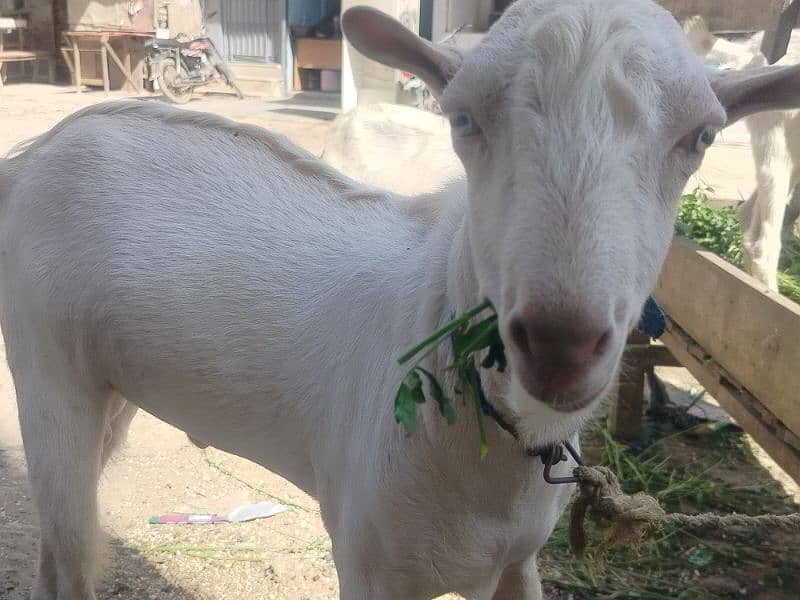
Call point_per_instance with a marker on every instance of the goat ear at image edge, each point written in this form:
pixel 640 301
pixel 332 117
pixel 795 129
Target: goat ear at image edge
pixel 747 91
pixel 378 36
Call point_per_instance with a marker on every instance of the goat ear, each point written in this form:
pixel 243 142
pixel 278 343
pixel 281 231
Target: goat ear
pixel 747 91
pixel 383 39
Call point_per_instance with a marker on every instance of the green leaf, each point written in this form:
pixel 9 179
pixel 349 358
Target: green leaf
pixel 469 375
pixel 405 403
pixel 466 341
pixel 437 336
pixel 445 407
pixel 475 338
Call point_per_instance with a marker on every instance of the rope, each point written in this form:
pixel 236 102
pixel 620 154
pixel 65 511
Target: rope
pixel 629 519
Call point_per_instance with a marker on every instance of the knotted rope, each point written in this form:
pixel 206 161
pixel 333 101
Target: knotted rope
pixel 628 519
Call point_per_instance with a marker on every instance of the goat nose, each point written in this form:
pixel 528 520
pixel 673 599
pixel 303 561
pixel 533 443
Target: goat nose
pixel 571 340
pixel 557 352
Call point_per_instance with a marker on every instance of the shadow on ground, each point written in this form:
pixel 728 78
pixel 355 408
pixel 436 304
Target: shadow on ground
pixel 130 575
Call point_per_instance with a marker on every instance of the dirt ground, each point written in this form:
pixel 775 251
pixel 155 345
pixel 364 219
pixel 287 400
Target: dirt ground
pixel 286 557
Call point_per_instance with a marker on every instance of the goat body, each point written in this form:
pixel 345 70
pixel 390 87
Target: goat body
pixel 263 317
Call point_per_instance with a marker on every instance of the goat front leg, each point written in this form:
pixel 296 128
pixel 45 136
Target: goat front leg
pixel 520 582
pixel 762 235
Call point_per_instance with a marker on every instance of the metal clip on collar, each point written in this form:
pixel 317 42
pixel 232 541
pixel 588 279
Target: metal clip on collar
pixel 556 454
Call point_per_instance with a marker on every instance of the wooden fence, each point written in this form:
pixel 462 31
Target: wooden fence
pixel 739 340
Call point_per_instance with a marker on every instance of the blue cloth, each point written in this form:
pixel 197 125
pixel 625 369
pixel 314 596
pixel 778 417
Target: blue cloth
pixel 653 321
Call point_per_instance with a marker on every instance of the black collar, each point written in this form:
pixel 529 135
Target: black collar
pixel 551 454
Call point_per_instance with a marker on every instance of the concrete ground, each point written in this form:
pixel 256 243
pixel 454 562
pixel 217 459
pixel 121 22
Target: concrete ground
pixel 286 557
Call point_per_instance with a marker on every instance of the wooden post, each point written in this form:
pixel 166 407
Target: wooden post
pixel 21 46
pixel 627 406
pixel 69 61
pixel 126 58
pixel 76 59
pixel 776 38
pixel 104 63
pixel 625 414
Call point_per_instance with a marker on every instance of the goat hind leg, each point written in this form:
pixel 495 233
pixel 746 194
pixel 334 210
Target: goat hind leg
pixel 762 237
pixel 63 428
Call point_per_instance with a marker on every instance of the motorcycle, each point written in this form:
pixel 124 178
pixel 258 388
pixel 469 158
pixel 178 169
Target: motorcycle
pixel 414 92
pixel 177 66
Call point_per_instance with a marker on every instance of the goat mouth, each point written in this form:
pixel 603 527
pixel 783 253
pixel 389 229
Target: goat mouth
pixel 568 403
pixel 568 400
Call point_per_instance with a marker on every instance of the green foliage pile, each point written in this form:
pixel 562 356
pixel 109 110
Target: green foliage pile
pixel 720 230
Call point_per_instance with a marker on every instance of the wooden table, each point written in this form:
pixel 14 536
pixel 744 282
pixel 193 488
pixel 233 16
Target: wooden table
pixel 18 53
pixel 316 53
pixel 78 42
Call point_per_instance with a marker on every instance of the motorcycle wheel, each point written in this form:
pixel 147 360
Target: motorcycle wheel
pixel 168 73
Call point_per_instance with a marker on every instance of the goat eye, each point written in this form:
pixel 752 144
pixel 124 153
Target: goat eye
pixel 463 125
pixel 705 137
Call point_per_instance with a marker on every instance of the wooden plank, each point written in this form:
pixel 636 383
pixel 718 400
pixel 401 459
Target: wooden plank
pixel 11 55
pixel 776 37
pixel 649 356
pixel 751 415
pixel 751 332
pixel 119 64
pixel 13 23
pixel 312 53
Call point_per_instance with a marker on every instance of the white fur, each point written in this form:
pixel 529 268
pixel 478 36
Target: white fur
pixel 775 138
pixel 234 286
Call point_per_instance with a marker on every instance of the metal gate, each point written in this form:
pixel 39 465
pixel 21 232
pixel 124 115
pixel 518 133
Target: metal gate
pixel 249 28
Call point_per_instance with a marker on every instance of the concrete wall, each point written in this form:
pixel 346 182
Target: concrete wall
pixel 365 81
pixel 110 14
pixel 184 16
pixel 449 15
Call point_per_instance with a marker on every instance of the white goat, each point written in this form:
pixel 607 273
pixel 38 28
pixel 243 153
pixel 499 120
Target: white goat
pixel 257 299
pixel 400 148
pixel 775 138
